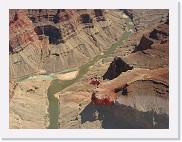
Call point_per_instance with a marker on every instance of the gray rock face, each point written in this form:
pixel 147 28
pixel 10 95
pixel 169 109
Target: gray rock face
pixel 147 18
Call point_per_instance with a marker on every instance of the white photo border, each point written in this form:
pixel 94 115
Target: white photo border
pixel 171 133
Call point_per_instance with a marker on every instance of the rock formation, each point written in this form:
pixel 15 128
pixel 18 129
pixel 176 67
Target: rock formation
pixel 116 68
pixel 141 93
pixel 129 92
pixel 153 46
pixel 144 44
pixel 100 100
pixel 28 107
pixel 161 33
pixel 55 40
pixel 147 18
pixel 25 46
pixel 12 87
pixel 22 33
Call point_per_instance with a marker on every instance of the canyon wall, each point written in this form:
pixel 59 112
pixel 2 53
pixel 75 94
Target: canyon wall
pixel 147 18
pixel 137 98
pixel 57 40
pixel 153 49
pixel 137 92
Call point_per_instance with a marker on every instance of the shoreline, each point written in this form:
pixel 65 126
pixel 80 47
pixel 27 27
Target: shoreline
pixel 67 76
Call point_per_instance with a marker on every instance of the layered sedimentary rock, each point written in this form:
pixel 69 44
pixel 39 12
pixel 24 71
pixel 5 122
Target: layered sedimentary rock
pixel 134 88
pixel 25 46
pixel 138 93
pixel 28 107
pixel 137 98
pixel 55 40
pixel 153 47
pixel 147 18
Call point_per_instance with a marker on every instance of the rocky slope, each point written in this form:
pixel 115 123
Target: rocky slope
pixel 153 47
pixel 12 87
pixel 140 95
pixel 25 47
pixel 28 107
pixel 133 88
pixel 39 45
pixel 147 18
pixel 57 40
pixel 142 103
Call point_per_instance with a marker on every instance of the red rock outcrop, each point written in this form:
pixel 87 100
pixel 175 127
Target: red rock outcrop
pixel 107 96
pixel 106 100
pixel 21 31
pixel 152 82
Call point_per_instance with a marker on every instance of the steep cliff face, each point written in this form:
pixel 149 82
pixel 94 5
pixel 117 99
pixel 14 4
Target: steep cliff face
pixel 160 33
pixel 153 46
pixel 132 98
pixel 53 33
pixel 147 18
pixel 116 68
pixel 55 40
pixel 145 43
pixel 142 93
pixel 21 32
pixel 137 98
pixel 25 46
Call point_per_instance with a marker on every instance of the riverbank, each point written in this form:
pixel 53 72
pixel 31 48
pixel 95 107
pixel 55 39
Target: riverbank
pixel 59 85
pixel 60 81
pixel 67 76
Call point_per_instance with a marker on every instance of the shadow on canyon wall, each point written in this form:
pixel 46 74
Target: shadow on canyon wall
pixel 117 66
pixel 120 116
pixel 53 33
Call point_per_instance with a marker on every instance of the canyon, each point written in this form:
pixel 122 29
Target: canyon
pixel 89 69
pixel 42 44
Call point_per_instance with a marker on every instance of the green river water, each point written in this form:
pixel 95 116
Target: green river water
pixel 58 85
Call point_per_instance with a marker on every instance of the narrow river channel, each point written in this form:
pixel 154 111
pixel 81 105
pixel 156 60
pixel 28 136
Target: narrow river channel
pixel 58 85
